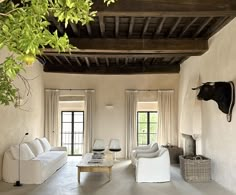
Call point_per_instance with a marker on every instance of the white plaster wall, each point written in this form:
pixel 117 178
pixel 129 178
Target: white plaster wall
pixel 14 122
pixel 110 89
pixel 218 135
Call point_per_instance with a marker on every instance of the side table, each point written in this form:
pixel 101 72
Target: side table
pixel 174 152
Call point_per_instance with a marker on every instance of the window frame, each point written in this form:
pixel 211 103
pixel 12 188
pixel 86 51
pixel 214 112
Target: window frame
pixel 148 126
pixel 72 131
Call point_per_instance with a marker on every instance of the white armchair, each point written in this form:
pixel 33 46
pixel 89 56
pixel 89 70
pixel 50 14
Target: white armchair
pixel 153 167
pixel 142 150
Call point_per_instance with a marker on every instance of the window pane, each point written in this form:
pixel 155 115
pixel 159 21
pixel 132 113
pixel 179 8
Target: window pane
pixel 66 138
pixel 153 127
pixel 153 138
pixel 153 116
pixel 78 117
pixel 66 127
pixel 142 139
pixel 66 117
pixel 142 128
pixel 142 117
pixel 78 138
pixel 78 127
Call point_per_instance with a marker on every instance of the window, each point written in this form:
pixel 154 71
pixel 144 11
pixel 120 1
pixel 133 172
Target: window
pixel 72 131
pixel 146 127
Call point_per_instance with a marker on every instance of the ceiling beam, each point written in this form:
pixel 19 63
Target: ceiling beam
pixel 114 55
pixel 168 8
pixel 189 46
pixel 134 69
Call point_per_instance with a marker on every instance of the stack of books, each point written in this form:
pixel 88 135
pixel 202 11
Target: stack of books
pixel 97 158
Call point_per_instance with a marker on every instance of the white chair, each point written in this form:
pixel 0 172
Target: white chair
pixel 98 146
pixel 153 167
pixel 114 146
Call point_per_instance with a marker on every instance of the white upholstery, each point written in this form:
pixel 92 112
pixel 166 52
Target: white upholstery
pixel 36 147
pixel 45 144
pixel 36 170
pixel 25 152
pixel 144 149
pixel 153 167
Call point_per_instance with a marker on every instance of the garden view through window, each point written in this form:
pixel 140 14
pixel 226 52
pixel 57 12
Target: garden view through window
pixel 146 127
pixel 72 132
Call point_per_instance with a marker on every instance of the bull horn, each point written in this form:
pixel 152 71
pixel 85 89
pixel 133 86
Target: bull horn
pixel 196 87
pixel 209 83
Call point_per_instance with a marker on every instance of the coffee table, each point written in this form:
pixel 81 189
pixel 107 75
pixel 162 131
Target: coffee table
pixel 104 165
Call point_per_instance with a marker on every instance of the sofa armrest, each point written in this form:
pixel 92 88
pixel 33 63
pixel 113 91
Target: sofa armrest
pixel 31 170
pixel 58 149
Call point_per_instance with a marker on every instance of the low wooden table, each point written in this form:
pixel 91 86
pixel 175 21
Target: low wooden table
pixel 104 166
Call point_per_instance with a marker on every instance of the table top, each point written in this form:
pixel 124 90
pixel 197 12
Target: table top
pixel 87 161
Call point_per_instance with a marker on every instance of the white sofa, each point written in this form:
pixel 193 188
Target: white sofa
pixel 38 161
pixel 152 167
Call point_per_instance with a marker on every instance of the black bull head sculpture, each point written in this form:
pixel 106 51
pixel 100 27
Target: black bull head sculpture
pixel 221 92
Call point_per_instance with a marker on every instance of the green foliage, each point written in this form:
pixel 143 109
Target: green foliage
pixel 24 31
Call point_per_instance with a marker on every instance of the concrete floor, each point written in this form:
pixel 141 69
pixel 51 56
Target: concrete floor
pixel 64 182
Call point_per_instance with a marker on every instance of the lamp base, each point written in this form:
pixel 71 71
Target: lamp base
pixel 18 184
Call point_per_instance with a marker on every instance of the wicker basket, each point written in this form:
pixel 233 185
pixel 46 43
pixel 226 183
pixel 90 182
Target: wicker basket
pixel 197 169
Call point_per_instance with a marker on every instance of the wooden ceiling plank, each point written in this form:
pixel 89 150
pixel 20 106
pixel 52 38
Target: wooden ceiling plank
pixel 159 27
pixel 87 61
pixel 96 61
pixel 58 25
pixel 48 59
pixel 174 27
pixel 88 27
pixel 188 26
pixel 202 27
pixel 107 62
pixel 75 29
pixel 77 60
pixel 117 61
pixel 126 60
pixel 131 26
pixel 117 26
pixel 67 60
pixel 172 60
pixel 145 27
pixel 59 61
pixel 102 25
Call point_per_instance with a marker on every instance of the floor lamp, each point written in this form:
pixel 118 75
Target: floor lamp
pixel 18 182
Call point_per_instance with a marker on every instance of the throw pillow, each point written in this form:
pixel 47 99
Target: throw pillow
pixel 45 144
pixel 25 152
pixel 36 147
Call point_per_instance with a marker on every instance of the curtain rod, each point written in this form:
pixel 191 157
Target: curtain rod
pixel 149 90
pixel 69 89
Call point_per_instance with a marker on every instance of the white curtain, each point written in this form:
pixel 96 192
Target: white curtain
pixel 131 127
pixel 89 119
pixel 51 116
pixel 167 132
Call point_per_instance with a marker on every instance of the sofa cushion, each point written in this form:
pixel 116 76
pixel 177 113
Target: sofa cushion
pixel 45 144
pixel 25 152
pixel 36 147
